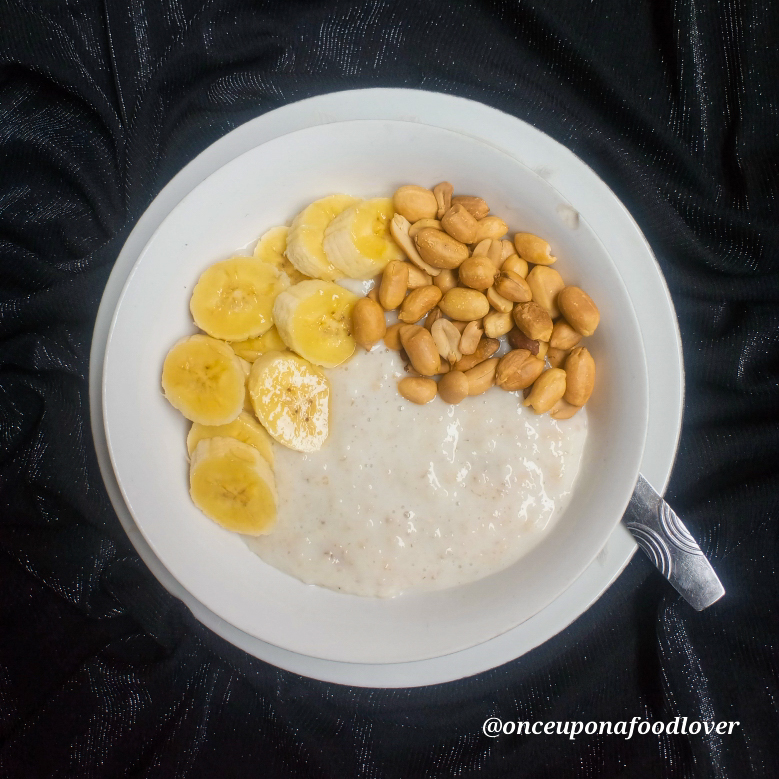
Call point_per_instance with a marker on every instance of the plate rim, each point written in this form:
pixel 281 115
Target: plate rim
pixel 364 104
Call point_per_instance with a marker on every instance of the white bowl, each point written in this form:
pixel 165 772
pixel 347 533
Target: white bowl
pixel 145 436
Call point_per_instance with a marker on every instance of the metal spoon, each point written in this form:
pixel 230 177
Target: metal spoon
pixel 669 545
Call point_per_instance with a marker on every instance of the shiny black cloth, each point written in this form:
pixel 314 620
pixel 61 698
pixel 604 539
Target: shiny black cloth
pixel 674 104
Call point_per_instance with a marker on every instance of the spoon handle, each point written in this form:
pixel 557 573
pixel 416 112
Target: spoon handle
pixel 669 545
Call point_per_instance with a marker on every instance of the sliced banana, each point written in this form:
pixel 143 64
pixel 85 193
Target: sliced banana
pixel 204 379
pixel 291 398
pixel 232 483
pixel 233 299
pixel 244 428
pixel 314 319
pixel 271 247
pixel 252 348
pixel 358 240
pixel 304 240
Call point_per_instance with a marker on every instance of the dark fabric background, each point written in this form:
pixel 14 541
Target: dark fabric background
pixel 673 102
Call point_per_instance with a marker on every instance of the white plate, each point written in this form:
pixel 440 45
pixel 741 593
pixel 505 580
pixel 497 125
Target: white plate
pixel 600 208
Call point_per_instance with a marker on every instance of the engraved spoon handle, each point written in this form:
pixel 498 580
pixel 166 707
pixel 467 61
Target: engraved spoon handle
pixel 669 545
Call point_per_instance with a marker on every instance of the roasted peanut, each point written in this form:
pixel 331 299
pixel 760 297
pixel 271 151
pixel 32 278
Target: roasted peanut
pixel 444 368
pixel 415 202
pixel 399 230
pixel 518 369
pixel 443 195
pixel 447 340
pixel 418 303
pixel 462 325
pixel 516 265
pixel 445 280
pixel 484 350
pixel 374 293
pixel 533 321
pixel 464 304
pixel 548 388
pixel 579 310
pixel 422 224
pixel 439 249
pixel 417 390
pixel 434 315
pixel 470 337
pixel 556 357
pixel 564 336
pixel 533 249
pixel 490 227
pixel 497 324
pixel 476 206
pixel 518 340
pixel 498 302
pixel 394 284
pixel 368 325
pixel 545 283
pixel 478 273
pixel 421 349
pixel 417 278
pixel 543 348
pixel 563 410
pixel 481 248
pixel 490 248
pixel 513 287
pixel 459 223
pixel 482 376
pixel 453 387
pixel 506 249
pixel 392 337
pixel 580 376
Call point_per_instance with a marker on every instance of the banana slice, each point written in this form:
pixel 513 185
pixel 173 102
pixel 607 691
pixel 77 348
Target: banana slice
pixel 304 240
pixel 231 483
pixel 233 299
pixel 204 379
pixel 244 428
pixel 270 248
pixel 358 240
pixel 252 348
pixel 291 398
pixel 314 319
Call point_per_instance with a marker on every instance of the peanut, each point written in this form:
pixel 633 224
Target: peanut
pixel 580 376
pixel 545 284
pixel 506 249
pixel 421 349
pixel 490 248
pixel 497 324
pixel 579 310
pixel 453 387
pixel 434 315
pixel 476 206
pixel 417 278
pixel 445 280
pixel 518 369
pixel 485 349
pixel 394 284
pixel 548 388
pixel 368 325
pixel 516 265
pixel 563 410
pixel 556 357
pixel 533 249
pixel 418 303
pixel 478 273
pixel 513 287
pixel 564 336
pixel 399 230
pixel 490 227
pixel 462 325
pixel 482 376
pixel 543 348
pixel 439 249
pixel 415 202
pixel 459 223
pixel 447 340
pixel 533 321
pixel 422 224
pixel 498 302
pixel 374 293
pixel 417 390
pixel 392 337
pixel 464 304
pixel 518 340
pixel 481 248
pixel 443 196
pixel 470 337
